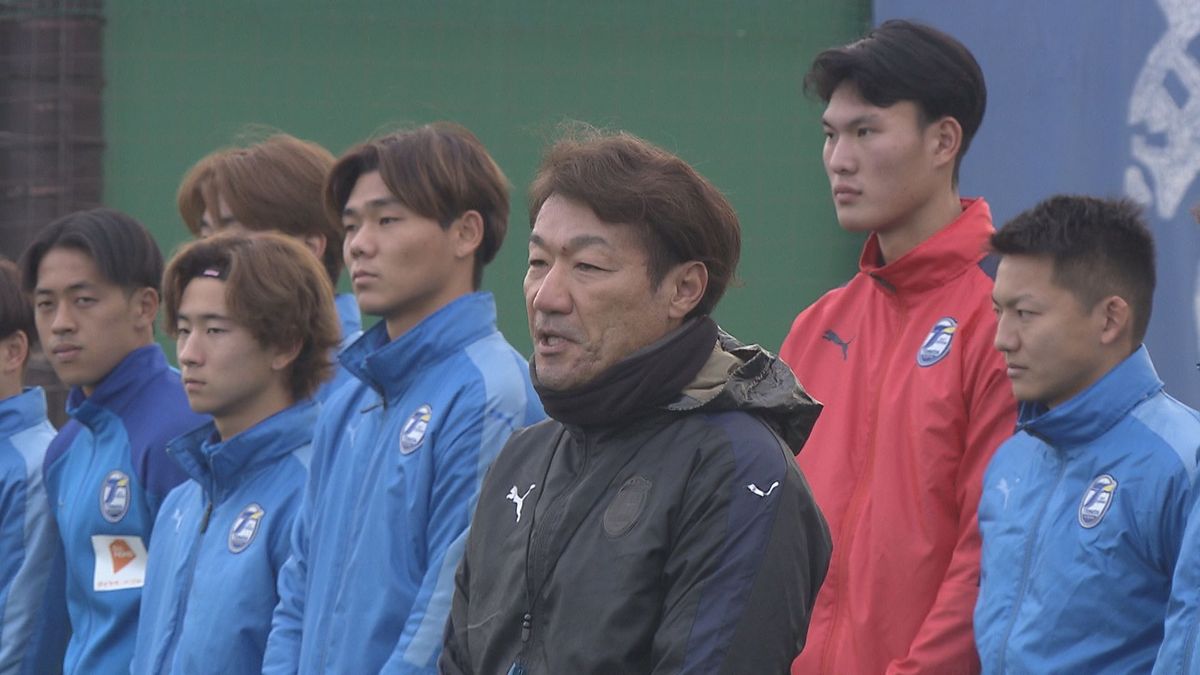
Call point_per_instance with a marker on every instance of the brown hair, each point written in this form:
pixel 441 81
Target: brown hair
pixel 440 171
pixel 16 312
pixel 271 185
pixel 678 214
pixel 275 287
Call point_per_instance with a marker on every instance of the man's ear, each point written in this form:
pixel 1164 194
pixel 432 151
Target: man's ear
pixel 945 140
pixel 467 231
pixel 285 357
pixel 315 243
pixel 687 284
pixel 13 351
pixel 144 302
pixel 1115 319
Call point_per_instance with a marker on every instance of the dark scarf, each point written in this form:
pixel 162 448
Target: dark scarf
pixel 637 385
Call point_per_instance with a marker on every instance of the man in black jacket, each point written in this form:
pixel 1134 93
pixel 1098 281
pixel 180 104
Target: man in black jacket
pixel 657 523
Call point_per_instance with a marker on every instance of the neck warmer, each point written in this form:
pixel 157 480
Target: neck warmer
pixel 637 385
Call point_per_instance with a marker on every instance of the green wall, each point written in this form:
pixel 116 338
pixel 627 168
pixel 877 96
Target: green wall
pixel 716 82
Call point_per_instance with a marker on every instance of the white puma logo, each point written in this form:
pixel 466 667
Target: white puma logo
pixel 754 488
pixel 519 500
pixel 1004 490
pixel 178 517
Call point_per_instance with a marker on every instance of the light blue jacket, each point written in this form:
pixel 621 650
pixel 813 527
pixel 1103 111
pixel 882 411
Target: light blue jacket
pixel 350 321
pixel 107 472
pixel 219 542
pixel 29 641
pixel 397 462
pixel 1082 515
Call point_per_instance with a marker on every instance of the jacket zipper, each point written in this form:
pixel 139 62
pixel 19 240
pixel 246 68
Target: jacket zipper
pixel 1031 544
pixel 189 579
pixel 531 593
pixel 854 512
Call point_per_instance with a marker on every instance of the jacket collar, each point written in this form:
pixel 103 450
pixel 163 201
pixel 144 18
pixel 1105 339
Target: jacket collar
pixel 349 318
pixel 940 258
pixel 749 378
pixel 389 367
pixel 22 411
pixel 120 386
pixel 1093 411
pixel 216 465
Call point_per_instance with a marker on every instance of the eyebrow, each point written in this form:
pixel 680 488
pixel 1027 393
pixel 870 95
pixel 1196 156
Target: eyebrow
pixel 211 316
pixel 574 244
pixel 1011 301
pixel 854 121
pixel 373 204
pixel 77 286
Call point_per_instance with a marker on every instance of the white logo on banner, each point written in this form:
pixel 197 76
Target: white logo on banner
pixel 1164 111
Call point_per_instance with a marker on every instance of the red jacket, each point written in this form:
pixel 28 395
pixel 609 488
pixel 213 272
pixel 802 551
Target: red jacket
pixel 916 400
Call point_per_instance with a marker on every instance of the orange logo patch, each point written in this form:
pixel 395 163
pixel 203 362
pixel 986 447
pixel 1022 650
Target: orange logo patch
pixel 122 555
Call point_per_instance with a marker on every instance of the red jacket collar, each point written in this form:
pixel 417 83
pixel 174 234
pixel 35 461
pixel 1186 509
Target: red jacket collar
pixel 938 259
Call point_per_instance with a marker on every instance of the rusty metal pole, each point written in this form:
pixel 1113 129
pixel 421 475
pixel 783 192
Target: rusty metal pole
pixel 51 134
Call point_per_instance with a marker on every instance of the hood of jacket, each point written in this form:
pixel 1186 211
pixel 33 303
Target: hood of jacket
pixel 746 377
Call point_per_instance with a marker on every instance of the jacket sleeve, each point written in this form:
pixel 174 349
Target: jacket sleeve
pixel 464 448
pixel 945 641
pixel 454 659
pixel 1179 545
pixel 748 558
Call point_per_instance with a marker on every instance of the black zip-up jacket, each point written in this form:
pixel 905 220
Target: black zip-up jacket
pixel 684 542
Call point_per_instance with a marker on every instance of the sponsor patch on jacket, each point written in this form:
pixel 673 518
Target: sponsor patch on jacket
pixel 413 431
pixel 937 344
pixel 245 526
pixel 120 562
pixel 114 496
pixel 1096 500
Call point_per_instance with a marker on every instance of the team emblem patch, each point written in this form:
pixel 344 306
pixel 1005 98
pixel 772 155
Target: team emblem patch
pixel 1096 500
pixel 937 344
pixel 245 526
pixel 114 496
pixel 413 431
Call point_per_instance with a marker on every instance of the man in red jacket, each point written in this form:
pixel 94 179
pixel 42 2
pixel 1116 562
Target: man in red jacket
pixel 916 398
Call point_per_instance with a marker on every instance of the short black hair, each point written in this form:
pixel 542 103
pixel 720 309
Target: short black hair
pixel 16 312
pixel 1100 247
pixel 122 248
pixel 908 61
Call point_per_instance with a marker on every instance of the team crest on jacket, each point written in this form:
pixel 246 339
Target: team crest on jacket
pixel 245 526
pixel 1096 500
pixel 114 496
pixel 413 431
pixel 937 344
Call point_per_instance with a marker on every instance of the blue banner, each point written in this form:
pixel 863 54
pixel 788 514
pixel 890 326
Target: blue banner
pixel 1097 97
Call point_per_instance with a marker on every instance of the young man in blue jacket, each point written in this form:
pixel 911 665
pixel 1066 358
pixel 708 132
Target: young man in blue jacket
pixel 1083 510
pixel 399 454
pixel 31 638
pixel 273 185
pixel 255 323
pixel 94 276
